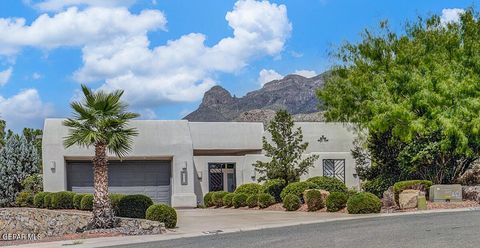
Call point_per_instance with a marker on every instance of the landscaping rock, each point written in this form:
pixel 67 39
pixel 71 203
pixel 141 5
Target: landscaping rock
pixel 409 198
pixel 471 193
pixel 388 200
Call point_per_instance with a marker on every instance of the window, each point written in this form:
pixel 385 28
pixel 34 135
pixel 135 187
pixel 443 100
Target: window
pixel 334 168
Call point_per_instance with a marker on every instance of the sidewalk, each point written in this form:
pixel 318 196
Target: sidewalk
pixel 198 222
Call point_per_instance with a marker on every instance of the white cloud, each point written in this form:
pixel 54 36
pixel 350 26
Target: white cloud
pixel 266 76
pixel 5 76
pixel 451 15
pixel 305 73
pixel 36 76
pixel 58 5
pixel 25 109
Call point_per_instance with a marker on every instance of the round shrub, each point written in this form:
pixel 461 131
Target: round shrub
pixel 297 189
pixel 77 200
pixel 239 200
pixel 87 202
pixel 291 202
pixel 364 203
pixel 207 199
pixel 62 200
pixel 314 200
pixel 252 201
pixel 33 183
pixel 330 184
pixel 217 198
pixel 336 201
pixel 115 200
pixel 134 206
pixel 228 200
pixel 162 213
pixel 38 199
pixel 47 200
pixel 265 200
pixel 249 188
pixel 274 188
pixel 24 199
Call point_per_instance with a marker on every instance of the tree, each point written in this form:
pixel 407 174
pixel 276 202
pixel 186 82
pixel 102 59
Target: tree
pixel 285 152
pixel 35 136
pixel 101 121
pixel 2 133
pixel 18 160
pixel 417 93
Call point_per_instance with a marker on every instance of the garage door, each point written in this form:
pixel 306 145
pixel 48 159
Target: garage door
pixel 147 177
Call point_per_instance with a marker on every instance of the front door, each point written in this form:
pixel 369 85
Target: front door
pixel 221 177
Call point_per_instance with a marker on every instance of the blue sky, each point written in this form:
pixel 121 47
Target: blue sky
pixel 166 53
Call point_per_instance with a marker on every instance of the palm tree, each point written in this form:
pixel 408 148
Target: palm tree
pixel 101 121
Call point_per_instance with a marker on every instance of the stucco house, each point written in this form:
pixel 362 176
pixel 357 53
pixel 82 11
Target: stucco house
pixel 177 162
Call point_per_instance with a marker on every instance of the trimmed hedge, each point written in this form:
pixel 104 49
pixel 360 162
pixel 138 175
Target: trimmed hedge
pixel 38 199
pixel 274 188
pixel 228 200
pixel 62 200
pixel 314 200
pixel 330 184
pixel 134 206
pixel 217 198
pixel 249 188
pixel 364 203
pixel 265 200
pixel 162 213
pixel 207 199
pixel 291 202
pixel 252 201
pixel 87 202
pixel 398 187
pixel 114 201
pixel 239 200
pixel 77 199
pixel 47 200
pixel 297 189
pixel 24 199
pixel 336 201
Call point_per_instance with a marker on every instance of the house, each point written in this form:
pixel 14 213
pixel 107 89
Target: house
pixel 177 162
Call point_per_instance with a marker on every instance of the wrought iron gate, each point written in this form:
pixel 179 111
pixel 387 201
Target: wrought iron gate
pixel 221 177
pixel 334 168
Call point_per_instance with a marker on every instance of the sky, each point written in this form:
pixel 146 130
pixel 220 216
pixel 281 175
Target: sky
pixel 166 53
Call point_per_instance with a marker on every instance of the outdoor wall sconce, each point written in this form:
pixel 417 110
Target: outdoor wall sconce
pixel 184 175
pixel 254 175
pixel 200 175
pixel 322 139
pixel 53 166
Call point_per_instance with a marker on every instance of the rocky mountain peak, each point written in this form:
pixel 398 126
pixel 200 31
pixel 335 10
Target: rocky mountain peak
pixel 217 95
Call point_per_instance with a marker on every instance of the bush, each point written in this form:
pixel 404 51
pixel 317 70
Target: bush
pixel 297 189
pixel 252 201
pixel 38 200
pixel 291 202
pixel 33 183
pixel 24 199
pixel 249 188
pixel 228 200
pixel 376 186
pixel 207 199
pixel 274 188
pixel 314 200
pixel 265 200
pixel 336 201
pixel 364 203
pixel 134 206
pixel 217 198
pixel 239 200
pixel 162 213
pixel 77 199
pixel 47 200
pixel 62 200
pixel 330 184
pixel 87 202
pixel 115 200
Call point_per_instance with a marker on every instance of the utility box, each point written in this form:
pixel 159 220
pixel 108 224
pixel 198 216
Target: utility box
pixel 446 193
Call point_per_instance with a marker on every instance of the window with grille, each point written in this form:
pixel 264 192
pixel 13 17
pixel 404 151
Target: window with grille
pixel 334 168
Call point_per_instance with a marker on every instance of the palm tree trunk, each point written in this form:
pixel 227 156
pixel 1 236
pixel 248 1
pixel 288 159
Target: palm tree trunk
pixel 102 210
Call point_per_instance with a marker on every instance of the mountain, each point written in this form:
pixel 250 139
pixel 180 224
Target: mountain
pixel 294 93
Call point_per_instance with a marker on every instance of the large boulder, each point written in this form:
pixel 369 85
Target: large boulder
pixel 388 199
pixel 471 193
pixel 408 198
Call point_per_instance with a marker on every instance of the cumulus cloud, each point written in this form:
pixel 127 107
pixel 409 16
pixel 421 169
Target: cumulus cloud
pixel 266 76
pixel 5 76
pixel 305 73
pixel 58 5
pixel 451 15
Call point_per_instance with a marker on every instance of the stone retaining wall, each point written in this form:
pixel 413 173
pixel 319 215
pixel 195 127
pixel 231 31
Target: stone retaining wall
pixel 39 223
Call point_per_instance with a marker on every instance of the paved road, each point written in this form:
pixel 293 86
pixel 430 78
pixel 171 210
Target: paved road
pixel 459 229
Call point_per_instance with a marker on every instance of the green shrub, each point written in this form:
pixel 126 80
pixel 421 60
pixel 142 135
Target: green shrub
pixel 249 188
pixel 87 202
pixel 24 199
pixel 336 201
pixel 33 183
pixel 47 200
pixel 62 200
pixel 297 189
pixel 38 200
pixel 265 200
pixel 228 200
pixel 77 199
pixel 422 185
pixel 314 200
pixel 207 199
pixel 364 203
pixel 115 200
pixel 217 198
pixel 351 192
pixel 134 206
pixel 376 186
pixel 274 188
pixel 252 201
pixel 330 184
pixel 291 202
pixel 239 200
pixel 162 213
